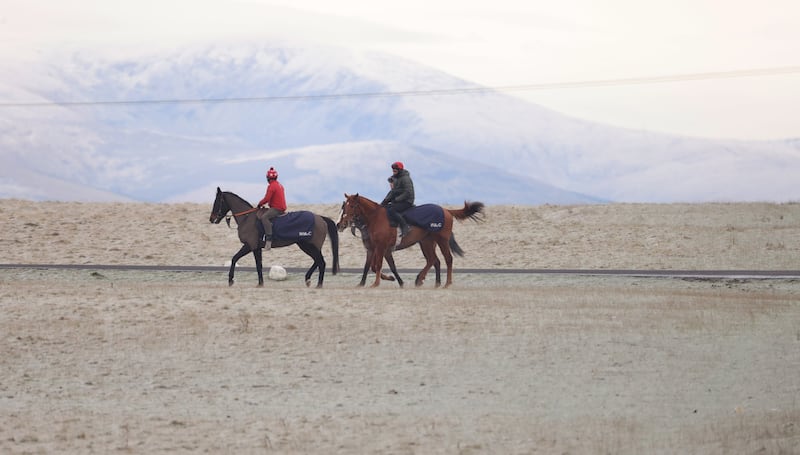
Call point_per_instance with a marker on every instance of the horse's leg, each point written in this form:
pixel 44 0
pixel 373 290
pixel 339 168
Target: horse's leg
pixel 364 273
pixel 393 268
pixel 366 269
pixel 259 266
pixel 377 264
pixel 437 265
pixel 429 251
pixel 311 269
pixel 386 277
pixel 243 251
pixel 444 245
pixel 319 262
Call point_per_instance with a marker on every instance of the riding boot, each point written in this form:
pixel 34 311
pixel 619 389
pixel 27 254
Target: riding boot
pixel 267 235
pixel 262 241
pixel 403 225
pixel 395 219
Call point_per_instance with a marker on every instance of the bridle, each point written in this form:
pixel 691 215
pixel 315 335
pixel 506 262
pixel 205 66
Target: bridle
pixel 354 213
pixel 234 215
pixel 356 220
pixel 227 217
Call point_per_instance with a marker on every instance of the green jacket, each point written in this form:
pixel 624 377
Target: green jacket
pixel 402 190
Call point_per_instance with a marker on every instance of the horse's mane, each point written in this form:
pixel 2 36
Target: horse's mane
pixel 369 202
pixel 241 199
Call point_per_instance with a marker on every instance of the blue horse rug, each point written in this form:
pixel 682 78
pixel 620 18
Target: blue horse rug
pixel 427 216
pixel 293 226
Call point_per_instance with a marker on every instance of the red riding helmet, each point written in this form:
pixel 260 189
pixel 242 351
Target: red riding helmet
pixel 272 174
pixel 397 165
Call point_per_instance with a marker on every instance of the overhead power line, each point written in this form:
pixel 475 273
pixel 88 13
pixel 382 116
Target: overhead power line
pixel 758 72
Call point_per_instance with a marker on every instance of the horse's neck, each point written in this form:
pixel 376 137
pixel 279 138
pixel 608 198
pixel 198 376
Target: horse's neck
pixel 371 210
pixel 237 204
pixel 362 228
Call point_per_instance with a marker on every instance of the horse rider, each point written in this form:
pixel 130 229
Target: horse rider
pixel 275 199
pixel 400 198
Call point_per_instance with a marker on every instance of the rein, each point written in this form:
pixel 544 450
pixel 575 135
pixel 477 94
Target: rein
pixel 357 223
pixel 246 212
pixel 228 217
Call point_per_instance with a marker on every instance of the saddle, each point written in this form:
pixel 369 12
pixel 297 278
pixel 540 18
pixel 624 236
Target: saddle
pixel 293 226
pixel 426 216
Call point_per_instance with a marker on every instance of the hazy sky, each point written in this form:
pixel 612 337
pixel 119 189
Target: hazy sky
pixel 494 43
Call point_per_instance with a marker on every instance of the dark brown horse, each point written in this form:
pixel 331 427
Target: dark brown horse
pixel 245 216
pixel 383 236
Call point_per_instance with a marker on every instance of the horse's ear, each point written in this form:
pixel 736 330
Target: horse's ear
pixel 218 190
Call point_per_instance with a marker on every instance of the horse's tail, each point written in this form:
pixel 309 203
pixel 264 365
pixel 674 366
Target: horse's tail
pixel 333 233
pixel 471 210
pixel 455 248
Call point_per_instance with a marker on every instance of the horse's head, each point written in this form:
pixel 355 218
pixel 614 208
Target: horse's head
pixel 350 211
pixel 220 209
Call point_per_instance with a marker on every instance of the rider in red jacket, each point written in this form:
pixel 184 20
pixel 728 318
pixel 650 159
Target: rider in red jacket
pixel 275 199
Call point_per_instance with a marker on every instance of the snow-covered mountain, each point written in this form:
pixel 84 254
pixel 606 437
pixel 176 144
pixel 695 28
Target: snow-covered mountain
pixel 479 146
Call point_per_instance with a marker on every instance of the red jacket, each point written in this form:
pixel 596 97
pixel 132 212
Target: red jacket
pixel 275 197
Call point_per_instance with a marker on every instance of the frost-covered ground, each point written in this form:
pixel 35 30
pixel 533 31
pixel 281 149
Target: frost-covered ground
pixel 144 361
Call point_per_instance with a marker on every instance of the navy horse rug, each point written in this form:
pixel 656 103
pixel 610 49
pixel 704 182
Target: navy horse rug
pixel 293 226
pixel 427 216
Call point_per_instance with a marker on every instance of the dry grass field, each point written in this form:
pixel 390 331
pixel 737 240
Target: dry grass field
pixel 115 361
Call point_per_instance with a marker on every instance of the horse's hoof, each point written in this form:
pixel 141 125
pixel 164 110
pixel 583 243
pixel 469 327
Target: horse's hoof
pixel 260 285
pixel 230 283
pixel 308 283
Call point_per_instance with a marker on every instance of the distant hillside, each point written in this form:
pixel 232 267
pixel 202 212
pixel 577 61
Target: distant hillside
pixel 481 146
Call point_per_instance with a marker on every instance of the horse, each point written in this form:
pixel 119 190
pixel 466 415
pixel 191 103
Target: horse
pixel 309 239
pixel 356 223
pixel 383 236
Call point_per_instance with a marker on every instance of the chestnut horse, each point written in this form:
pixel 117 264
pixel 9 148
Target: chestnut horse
pixel 245 216
pixel 383 236
pixel 357 223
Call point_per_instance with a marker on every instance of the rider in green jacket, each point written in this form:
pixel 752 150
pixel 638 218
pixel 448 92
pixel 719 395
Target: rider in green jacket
pixel 401 197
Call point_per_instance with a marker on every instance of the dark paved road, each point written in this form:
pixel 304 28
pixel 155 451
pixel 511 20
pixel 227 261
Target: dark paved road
pixel 619 272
